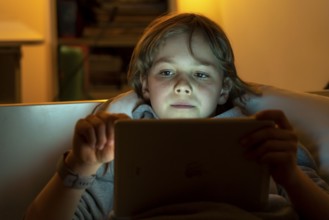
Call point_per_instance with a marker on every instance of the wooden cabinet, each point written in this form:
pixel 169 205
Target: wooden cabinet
pixel 13 35
pixel 95 42
pixel 10 74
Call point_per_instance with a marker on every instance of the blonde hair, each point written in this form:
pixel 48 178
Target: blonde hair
pixel 172 24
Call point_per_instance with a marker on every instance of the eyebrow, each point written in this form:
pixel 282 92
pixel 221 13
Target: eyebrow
pixel 170 60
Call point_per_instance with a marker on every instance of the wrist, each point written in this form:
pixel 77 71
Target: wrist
pixel 83 169
pixel 71 178
pixel 293 182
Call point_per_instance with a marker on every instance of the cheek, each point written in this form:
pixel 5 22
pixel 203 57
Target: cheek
pixel 209 94
pixel 210 89
pixel 158 86
pixel 157 91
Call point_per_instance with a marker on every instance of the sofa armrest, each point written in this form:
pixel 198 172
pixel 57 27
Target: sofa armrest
pixel 32 137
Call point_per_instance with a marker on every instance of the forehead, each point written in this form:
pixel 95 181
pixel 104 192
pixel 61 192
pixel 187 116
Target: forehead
pixel 185 38
pixel 190 45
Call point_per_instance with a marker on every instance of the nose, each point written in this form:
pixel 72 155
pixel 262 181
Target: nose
pixel 183 87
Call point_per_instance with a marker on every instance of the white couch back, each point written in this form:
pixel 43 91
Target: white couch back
pixel 32 137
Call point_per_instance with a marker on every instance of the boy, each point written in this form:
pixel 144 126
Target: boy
pixel 182 67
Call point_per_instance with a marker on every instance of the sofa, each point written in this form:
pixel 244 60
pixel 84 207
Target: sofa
pixel 33 136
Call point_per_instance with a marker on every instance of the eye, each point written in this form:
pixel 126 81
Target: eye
pixel 166 73
pixel 201 75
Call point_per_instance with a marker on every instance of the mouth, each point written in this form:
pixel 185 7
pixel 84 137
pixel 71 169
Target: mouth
pixel 182 106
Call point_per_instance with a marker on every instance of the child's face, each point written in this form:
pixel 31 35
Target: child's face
pixel 180 85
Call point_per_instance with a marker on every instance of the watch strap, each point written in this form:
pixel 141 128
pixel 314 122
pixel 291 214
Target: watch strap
pixel 70 178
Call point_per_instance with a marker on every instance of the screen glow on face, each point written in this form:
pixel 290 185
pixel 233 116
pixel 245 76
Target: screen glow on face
pixel 182 85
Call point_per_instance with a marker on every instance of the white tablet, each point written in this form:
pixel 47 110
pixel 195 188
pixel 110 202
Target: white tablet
pixel 170 161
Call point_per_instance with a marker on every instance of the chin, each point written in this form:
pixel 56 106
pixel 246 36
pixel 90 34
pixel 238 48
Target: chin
pixel 182 115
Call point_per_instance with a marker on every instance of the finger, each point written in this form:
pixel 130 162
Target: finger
pixel 281 166
pixel 277 116
pixel 280 158
pixel 269 147
pixel 265 134
pixel 99 130
pixel 86 132
pixel 105 116
pixel 109 120
pixel 121 116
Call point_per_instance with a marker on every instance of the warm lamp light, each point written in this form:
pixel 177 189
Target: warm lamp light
pixel 209 8
pixel 17 33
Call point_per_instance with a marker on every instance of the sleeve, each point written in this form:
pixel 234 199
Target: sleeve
pixel 97 200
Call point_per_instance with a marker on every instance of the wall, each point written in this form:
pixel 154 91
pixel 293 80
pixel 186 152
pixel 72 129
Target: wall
pixel 211 8
pixel 279 42
pixel 37 65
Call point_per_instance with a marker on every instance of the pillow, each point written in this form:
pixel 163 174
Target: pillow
pixel 308 113
pixel 123 103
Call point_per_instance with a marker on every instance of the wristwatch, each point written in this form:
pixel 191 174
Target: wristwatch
pixel 72 179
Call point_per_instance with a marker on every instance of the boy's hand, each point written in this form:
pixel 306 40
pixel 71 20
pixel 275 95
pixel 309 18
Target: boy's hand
pixel 93 142
pixel 274 146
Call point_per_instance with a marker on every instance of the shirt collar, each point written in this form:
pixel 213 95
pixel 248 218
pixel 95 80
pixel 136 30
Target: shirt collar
pixel 145 111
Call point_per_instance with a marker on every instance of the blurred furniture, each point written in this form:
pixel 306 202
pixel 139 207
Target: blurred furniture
pixel 12 36
pixel 104 33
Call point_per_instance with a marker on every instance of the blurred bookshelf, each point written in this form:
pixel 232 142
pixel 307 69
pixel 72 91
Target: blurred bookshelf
pixel 95 42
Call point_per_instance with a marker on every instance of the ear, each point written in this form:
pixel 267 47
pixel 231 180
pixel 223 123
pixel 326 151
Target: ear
pixel 145 90
pixel 225 92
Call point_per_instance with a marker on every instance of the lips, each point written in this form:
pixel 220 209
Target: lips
pixel 182 106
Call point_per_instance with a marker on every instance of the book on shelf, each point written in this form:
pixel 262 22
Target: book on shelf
pixel 106 17
pixel 139 11
pixel 91 32
pixel 105 69
pixel 143 19
pixel 138 8
pixel 67 15
pixel 105 63
pixel 131 1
